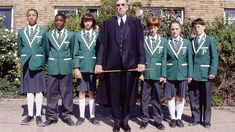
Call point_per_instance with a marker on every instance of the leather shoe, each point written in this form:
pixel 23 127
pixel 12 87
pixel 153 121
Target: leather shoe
pixel 143 125
pixel 39 121
pixel 194 123
pixel 179 123
pixel 48 123
pixel 207 125
pixel 69 122
pixel 126 127
pixel 160 126
pixel 172 123
pixel 94 121
pixel 80 121
pixel 116 127
pixel 27 120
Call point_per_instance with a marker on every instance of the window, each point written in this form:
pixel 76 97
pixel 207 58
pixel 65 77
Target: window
pixel 7 14
pixel 162 11
pixel 69 9
pixel 229 14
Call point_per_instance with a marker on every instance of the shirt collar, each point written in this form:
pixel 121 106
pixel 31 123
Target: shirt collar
pixel 200 36
pixel 34 27
pixel 89 31
pixel 155 37
pixel 61 31
pixel 123 18
pixel 178 38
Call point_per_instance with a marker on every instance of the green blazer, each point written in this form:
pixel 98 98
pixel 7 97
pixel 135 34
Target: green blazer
pixel 60 55
pixel 84 53
pixel 155 58
pixel 179 64
pixel 205 58
pixel 34 51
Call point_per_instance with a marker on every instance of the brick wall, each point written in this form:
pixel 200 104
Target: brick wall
pixel 206 9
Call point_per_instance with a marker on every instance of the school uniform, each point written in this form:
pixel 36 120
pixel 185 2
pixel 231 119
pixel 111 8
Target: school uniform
pixel 84 59
pixel 205 60
pixel 155 52
pixel 59 51
pixel 31 50
pixel 179 67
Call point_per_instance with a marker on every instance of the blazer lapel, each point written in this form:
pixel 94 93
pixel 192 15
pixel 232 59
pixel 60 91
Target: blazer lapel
pixel 148 45
pixel 26 33
pixel 93 39
pixel 200 44
pixel 181 44
pixel 170 43
pixel 158 41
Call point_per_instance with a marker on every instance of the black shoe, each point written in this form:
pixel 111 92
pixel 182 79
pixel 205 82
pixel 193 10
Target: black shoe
pixel 172 123
pixel 126 127
pixel 69 122
pixel 179 123
pixel 27 120
pixel 207 125
pixel 39 121
pixel 80 121
pixel 160 126
pixel 194 123
pixel 116 127
pixel 143 125
pixel 48 123
pixel 94 121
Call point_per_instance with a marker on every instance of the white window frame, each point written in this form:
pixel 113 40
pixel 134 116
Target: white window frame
pixel 12 13
pixel 73 8
pixel 230 20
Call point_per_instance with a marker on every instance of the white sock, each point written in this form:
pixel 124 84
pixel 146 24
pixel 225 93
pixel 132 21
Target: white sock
pixel 171 107
pixel 38 100
pixel 82 103
pixel 30 102
pixel 92 107
pixel 179 108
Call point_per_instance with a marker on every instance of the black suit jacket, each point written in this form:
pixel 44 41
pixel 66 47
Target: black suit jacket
pixel 133 53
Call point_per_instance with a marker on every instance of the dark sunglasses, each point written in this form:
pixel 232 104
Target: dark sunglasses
pixel 120 5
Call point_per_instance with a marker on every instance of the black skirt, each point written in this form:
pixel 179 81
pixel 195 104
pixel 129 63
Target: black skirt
pixel 175 89
pixel 32 81
pixel 87 83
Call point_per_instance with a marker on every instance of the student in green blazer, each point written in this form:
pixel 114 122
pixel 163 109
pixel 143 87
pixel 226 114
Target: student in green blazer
pixel 31 51
pixel 152 78
pixel 59 51
pixel 179 72
pixel 205 59
pixel 84 61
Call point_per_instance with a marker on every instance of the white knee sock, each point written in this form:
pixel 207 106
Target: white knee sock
pixel 82 104
pixel 38 100
pixel 92 107
pixel 171 107
pixel 30 103
pixel 179 108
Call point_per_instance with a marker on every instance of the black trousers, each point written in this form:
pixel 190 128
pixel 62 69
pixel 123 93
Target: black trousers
pixel 151 89
pixel 123 94
pixel 200 94
pixel 59 85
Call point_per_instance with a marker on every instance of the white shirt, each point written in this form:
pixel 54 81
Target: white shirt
pixel 90 32
pixel 123 18
pixel 34 27
pixel 200 37
pixel 176 39
pixel 151 38
pixel 61 32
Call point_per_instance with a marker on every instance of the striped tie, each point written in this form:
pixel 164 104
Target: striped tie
pixel 153 44
pixel 88 38
pixel 196 42
pixel 31 34
pixel 59 38
pixel 176 45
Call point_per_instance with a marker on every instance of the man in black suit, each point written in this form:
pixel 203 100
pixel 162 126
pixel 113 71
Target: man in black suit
pixel 121 47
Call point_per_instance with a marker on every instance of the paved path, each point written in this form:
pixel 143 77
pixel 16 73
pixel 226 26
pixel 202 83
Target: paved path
pixel 12 112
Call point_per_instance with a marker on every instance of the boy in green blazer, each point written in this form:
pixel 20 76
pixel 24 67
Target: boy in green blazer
pixel 59 51
pixel 179 72
pixel 155 52
pixel 205 59
pixel 31 50
pixel 84 61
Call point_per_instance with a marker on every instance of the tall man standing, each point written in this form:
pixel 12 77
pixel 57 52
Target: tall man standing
pixel 121 48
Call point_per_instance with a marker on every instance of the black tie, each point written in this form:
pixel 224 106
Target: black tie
pixel 121 23
pixel 196 42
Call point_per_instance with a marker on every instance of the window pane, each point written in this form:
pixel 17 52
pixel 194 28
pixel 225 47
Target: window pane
pixel 7 17
pixel 230 14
